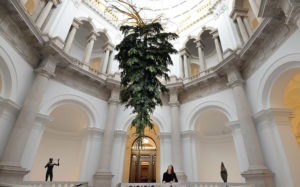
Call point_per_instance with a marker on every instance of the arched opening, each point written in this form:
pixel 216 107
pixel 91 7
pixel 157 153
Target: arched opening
pixel 98 53
pixel 282 97
pixel 63 138
pixel 193 57
pixel 30 6
pixel 143 162
pixel 209 49
pixel 80 41
pixel 292 100
pixel 142 165
pixel 214 144
pixel 251 14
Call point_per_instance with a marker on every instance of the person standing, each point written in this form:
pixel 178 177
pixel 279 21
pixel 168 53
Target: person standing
pixel 170 176
pixel 49 166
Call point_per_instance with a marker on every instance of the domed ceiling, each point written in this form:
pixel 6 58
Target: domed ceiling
pixel 176 15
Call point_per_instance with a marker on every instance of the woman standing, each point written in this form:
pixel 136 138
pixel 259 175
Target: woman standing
pixel 170 176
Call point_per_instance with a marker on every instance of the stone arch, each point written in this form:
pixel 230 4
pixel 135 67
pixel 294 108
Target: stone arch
pixel 156 119
pixel 104 32
pixel 8 76
pixel 154 135
pixel 288 64
pixel 51 104
pixel 216 105
pixel 88 21
pixel 204 29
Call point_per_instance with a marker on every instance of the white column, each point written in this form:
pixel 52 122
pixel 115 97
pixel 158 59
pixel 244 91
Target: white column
pixel 71 36
pixel 108 50
pixel 8 113
pixel 45 12
pixel 254 7
pixel 249 133
pixel 185 64
pixel 34 140
pixel 242 29
pixel 103 176
pixel 89 47
pixel 248 27
pixel 283 154
pixel 11 159
pixel 239 145
pixel 92 154
pixel 176 135
pixel 201 55
pixel 215 35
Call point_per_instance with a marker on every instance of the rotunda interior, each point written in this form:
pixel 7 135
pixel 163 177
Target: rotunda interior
pixel 233 94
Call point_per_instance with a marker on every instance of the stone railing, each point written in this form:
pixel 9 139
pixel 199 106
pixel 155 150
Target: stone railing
pixel 190 184
pixel 54 184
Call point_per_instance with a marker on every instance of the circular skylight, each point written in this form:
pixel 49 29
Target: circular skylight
pixel 175 15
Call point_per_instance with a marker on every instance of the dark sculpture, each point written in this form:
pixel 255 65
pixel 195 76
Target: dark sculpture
pixel 224 173
pixel 49 167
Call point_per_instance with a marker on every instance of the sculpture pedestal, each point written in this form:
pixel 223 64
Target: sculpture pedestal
pixel 102 179
pixel 259 177
pixel 12 174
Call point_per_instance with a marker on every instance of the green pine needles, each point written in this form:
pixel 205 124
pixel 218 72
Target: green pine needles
pixel 144 55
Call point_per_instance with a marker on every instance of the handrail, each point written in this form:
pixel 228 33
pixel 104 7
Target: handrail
pixel 189 184
pixel 56 184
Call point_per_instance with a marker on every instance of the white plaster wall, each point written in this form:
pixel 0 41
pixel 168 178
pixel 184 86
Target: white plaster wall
pixel 68 148
pixel 254 84
pixel 21 72
pixel 58 93
pixel 210 154
pixel 223 100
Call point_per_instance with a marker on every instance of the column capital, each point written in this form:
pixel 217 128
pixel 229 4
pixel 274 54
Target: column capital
pixel 7 104
pixel 238 12
pixel 214 33
pixel 76 23
pixel 47 67
pixel 174 101
pixel 114 96
pixel 95 132
pixel 108 46
pixel 55 2
pixel 234 77
pixel 93 36
pixel 183 51
pixel 265 118
pixel 199 43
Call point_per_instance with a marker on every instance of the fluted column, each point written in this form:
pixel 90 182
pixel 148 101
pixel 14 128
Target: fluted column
pixel 103 175
pixel 237 16
pixel 45 12
pixel 257 172
pixel 89 47
pixel 8 113
pixel 200 47
pixel 215 35
pixel 176 135
pixel 71 36
pixel 11 160
pixel 108 50
pixel 186 68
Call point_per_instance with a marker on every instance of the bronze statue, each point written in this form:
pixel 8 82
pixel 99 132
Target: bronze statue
pixel 49 167
pixel 224 173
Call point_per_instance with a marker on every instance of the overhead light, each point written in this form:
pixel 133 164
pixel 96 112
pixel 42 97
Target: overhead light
pixel 145 141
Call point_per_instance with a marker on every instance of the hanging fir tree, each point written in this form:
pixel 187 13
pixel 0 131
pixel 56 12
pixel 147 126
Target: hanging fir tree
pixel 144 56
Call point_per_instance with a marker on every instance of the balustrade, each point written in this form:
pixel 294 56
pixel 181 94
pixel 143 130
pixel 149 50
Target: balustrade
pixel 189 184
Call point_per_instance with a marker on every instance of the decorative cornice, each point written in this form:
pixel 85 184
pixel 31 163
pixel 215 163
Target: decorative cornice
pixel 273 116
pixel 47 67
pixel 8 105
